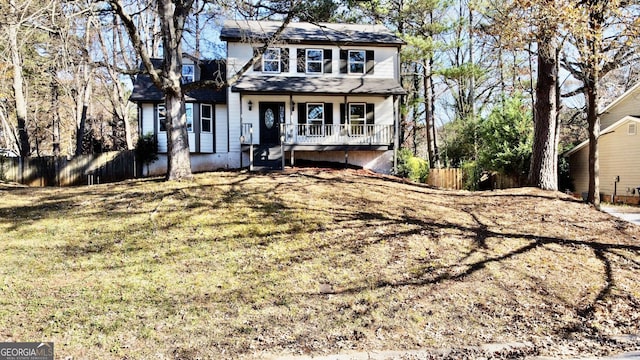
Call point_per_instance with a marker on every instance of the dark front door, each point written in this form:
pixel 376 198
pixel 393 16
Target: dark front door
pixel 269 152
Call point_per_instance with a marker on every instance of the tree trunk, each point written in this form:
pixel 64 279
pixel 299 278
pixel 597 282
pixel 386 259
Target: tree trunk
pixel 172 22
pixel 55 114
pixel 591 88
pixel 428 108
pixel 593 120
pixel 82 119
pixel 18 83
pixel 543 171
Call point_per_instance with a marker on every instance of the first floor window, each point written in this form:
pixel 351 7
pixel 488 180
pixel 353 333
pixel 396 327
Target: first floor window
pixel 357 118
pixel 189 115
pixel 271 61
pixel 206 118
pixel 315 118
pixel 162 118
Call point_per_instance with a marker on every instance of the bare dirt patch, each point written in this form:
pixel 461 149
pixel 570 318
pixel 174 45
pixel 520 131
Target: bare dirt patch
pixel 237 265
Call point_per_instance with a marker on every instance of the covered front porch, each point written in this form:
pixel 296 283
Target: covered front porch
pixel 334 135
pixel 325 143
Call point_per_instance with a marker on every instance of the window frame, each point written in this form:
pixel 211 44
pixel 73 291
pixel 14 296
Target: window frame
pixel 188 113
pixel 161 115
pixel 203 118
pixel 278 60
pixel 320 62
pixel 363 63
pixel 632 128
pixel 315 128
pixel 191 75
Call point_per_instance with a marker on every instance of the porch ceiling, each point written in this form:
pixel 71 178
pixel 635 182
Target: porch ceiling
pixel 318 85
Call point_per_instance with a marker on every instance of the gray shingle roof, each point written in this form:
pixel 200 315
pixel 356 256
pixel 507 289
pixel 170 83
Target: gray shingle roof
pixel 307 33
pixel 145 91
pixel 318 85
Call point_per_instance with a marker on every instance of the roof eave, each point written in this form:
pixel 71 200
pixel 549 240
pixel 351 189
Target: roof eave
pixel 609 129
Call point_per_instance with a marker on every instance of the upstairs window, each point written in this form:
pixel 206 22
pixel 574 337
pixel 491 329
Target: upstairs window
pixel 357 61
pixel 188 73
pixel 315 61
pixel 631 129
pixel 271 61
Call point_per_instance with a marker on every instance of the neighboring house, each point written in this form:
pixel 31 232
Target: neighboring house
pixel 206 111
pixel 325 92
pixel 618 149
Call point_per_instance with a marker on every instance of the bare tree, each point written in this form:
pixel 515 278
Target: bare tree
pixel 172 17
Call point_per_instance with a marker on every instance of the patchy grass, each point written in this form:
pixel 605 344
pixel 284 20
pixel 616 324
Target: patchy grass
pixel 311 262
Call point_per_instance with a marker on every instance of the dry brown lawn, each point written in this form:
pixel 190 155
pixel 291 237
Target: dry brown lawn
pixel 239 265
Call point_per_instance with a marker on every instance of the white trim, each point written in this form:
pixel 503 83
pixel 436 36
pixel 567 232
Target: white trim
pixel 188 107
pixel 610 129
pixel 278 60
pixel 160 110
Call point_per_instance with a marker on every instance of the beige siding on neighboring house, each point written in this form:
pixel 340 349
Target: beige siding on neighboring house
pixel 629 105
pixel 579 170
pixel 619 155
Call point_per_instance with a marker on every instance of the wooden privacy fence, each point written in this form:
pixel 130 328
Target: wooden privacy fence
pixel 60 171
pixel 446 178
pixel 453 178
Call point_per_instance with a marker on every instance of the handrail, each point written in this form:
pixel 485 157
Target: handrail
pixel 333 134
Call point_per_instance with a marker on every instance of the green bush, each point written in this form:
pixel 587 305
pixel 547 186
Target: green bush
pixel 147 149
pixel 412 167
pixel 470 175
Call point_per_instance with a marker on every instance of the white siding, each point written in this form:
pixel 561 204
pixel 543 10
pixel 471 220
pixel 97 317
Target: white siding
pixel 221 129
pixel 192 142
pixel 147 118
pixel 206 142
pixel 385 58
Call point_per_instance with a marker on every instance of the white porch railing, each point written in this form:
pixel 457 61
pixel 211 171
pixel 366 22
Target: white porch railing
pixel 340 134
pixel 246 136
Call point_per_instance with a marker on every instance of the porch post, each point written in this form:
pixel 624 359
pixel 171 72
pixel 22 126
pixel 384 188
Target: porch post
pixel 396 135
pixel 251 148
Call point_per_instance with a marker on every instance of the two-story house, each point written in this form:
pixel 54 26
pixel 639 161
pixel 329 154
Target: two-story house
pixel 320 92
pixel 323 92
